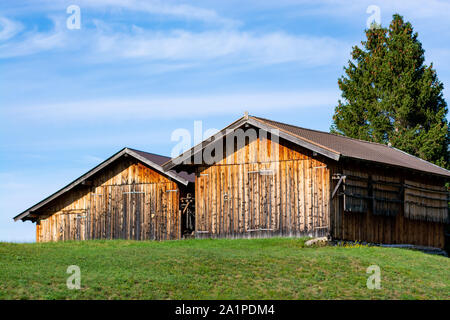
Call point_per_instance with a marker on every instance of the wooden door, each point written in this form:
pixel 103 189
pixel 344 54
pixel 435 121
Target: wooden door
pixel 94 221
pixel 320 200
pixel 203 200
pixel 260 200
pixel 133 212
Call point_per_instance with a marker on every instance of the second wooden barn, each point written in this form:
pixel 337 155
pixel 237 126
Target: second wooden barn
pixel 290 181
pixel 128 196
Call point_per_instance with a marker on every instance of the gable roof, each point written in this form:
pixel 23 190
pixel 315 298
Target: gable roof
pixel 330 145
pixel 360 149
pixel 150 159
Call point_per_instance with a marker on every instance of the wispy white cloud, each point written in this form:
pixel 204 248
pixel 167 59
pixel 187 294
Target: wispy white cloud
pixel 414 8
pixel 164 8
pixel 33 41
pixel 167 107
pixel 276 47
pixel 9 28
pixel 106 44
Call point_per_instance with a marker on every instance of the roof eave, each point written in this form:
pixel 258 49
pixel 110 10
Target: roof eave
pixel 343 157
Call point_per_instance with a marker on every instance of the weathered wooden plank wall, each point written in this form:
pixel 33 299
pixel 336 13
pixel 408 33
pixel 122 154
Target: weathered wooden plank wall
pixel 250 193
pixel 425 202
pixel 127 200
pixel 384 221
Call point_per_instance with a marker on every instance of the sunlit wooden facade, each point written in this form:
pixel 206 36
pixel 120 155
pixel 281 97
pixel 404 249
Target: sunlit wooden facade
pixel 273 179
pixel 310 189
pixel 127 198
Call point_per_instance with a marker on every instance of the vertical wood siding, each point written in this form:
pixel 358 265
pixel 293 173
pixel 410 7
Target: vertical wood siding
pixel 383 221
pixel 247 194
pixel 127 200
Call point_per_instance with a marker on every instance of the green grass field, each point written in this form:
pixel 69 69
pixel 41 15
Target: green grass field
pixel 218 269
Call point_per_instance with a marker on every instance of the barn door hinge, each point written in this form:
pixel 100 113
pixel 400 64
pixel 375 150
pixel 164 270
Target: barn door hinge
pixel 174 190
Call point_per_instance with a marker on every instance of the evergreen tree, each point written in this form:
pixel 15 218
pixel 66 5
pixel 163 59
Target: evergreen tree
pixel 391 96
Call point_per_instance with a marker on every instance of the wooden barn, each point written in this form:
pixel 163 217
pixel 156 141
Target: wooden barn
pixel 290 181
pixel 128 196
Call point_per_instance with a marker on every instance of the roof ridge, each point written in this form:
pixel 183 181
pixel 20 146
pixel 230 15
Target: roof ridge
pixel 265 121
pixel 370 143
pixel 320 131
pixel 155 154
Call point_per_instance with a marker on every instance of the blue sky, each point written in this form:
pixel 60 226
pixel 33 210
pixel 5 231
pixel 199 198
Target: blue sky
pixel 137 70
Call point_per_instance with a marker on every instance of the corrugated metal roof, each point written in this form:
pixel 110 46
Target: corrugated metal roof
pixel 359 149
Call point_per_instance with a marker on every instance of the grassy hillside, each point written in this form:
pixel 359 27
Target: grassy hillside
pixel 218 269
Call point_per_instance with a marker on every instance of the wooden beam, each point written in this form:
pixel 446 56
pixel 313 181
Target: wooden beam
pixel 337 186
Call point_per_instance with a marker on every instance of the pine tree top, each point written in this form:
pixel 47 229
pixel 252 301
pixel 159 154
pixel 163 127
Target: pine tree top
pixel 389 94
